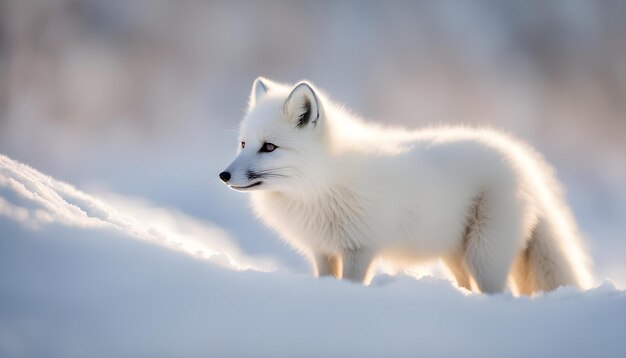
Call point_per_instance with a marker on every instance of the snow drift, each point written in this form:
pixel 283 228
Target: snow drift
pixel 36 200
pixel 81 276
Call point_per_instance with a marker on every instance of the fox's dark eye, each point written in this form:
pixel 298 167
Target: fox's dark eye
pixel 243 145
pixel 268 147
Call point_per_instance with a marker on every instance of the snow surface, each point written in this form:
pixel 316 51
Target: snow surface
pixel 80 277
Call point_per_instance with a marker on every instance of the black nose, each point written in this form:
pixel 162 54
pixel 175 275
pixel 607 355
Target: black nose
pixel 225 176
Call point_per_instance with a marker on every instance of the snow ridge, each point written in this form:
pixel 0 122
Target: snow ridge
pixel 35 200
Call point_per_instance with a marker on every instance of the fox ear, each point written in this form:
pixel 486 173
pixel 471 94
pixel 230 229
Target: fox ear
pixel 302 106
pixel 259 88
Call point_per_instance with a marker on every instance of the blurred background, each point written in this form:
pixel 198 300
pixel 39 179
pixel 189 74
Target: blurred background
pixel 143 98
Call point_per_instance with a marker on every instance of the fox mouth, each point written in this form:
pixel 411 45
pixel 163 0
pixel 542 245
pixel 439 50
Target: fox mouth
pixel 243 188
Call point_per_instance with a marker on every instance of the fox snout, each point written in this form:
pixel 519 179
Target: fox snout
pixel 225 176
pixel 238 178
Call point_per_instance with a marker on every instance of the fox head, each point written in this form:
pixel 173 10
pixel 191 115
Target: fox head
pixel 281 140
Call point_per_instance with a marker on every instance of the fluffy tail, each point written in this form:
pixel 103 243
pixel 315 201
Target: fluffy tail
pixel 554 257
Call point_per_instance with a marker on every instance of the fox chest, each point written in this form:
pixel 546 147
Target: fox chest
pixel 322 226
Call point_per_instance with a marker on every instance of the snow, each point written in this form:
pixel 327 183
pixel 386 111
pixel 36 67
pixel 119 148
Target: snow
pixel 36 200
pixel 118 277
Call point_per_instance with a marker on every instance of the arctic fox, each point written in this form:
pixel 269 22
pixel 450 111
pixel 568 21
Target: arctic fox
pixel 345 192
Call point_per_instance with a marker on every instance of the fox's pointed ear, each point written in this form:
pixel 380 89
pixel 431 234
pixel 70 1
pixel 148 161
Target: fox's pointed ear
pixel 259 88
pixel 303 106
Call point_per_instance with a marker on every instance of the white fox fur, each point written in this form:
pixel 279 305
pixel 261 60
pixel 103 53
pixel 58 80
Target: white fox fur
pixel 345 192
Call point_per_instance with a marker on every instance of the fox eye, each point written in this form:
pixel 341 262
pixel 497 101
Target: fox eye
pixel 268 147
pixel 243 145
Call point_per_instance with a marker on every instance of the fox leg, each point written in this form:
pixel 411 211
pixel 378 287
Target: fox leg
pixel 522 275
pixel 456 265
pixel 356 265
pixel 493 237
pixel 327 265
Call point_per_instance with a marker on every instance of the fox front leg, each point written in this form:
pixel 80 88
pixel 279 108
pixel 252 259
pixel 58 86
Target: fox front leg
pixel 356 265
pixel 327 265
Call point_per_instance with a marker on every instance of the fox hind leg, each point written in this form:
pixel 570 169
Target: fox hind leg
pixel 522 275
pixel 492 238
pixel 457 267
